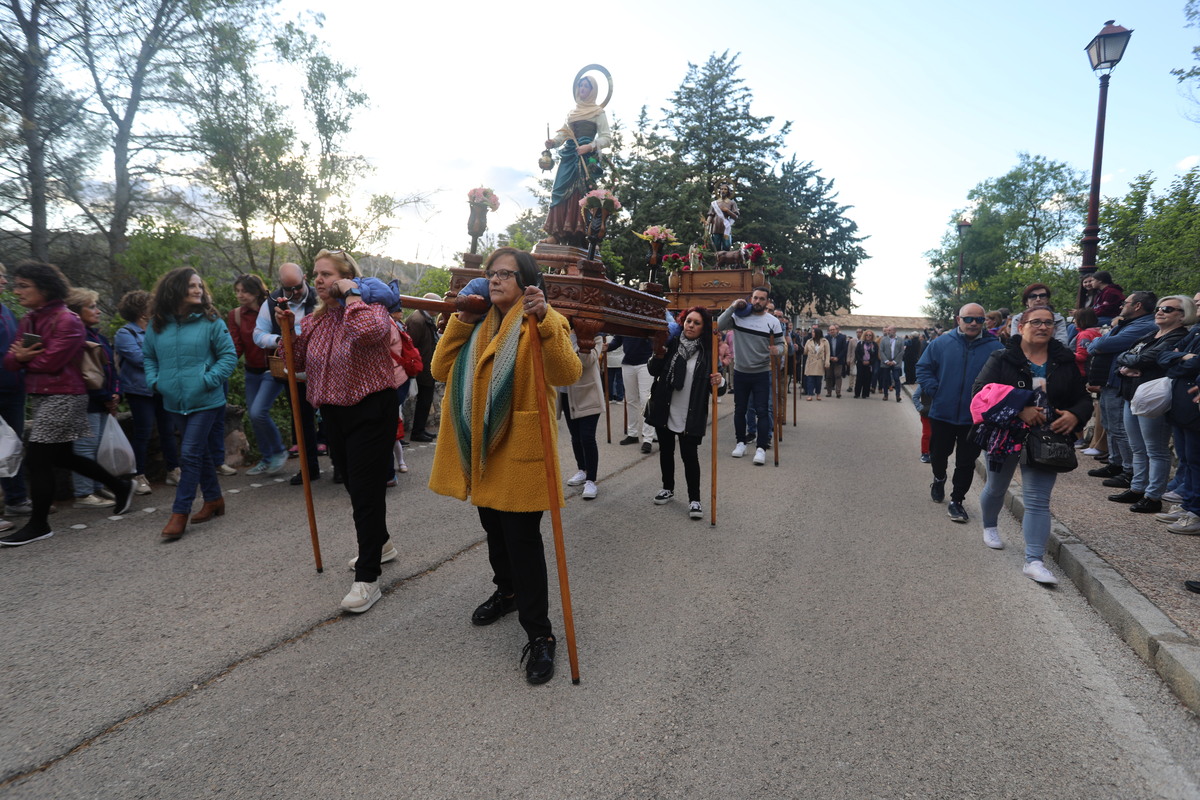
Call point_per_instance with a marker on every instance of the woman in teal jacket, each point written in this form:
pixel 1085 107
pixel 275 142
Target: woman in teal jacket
pixel 189 355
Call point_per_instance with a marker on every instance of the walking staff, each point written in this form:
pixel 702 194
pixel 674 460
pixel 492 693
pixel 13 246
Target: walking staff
pixel 289 355
pixel 775 394
pixel 712 500
pixel 607 399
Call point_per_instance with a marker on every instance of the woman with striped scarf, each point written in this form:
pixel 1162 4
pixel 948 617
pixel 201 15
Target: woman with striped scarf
pixel 490 444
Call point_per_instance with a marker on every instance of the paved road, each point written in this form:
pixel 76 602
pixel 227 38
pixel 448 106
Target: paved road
pixel 834 636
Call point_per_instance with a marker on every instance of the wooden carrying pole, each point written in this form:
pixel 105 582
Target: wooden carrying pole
pixel 553 490
pixel 289 356
pixel 712 499
pixel 795 384
pixel 775 394
pixel 607 399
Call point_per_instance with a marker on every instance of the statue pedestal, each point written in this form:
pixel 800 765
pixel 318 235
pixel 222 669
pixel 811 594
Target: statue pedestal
pixel 714 289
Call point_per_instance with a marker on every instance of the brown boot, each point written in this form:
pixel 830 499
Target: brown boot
pixel 210 509
pixel 175 526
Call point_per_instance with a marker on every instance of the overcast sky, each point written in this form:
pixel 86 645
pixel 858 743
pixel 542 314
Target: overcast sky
pixel 906 107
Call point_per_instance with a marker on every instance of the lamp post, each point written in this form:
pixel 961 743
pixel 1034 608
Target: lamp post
pixel 963 224
pixel 1104 52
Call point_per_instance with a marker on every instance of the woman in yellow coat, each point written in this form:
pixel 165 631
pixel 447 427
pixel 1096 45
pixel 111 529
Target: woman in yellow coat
pixel 490 444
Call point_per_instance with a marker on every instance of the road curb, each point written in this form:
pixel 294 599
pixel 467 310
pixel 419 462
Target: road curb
pixel 1159 642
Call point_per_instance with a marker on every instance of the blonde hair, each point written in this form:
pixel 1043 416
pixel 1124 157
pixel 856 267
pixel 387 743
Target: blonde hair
pixel 347 267
pixel 79 298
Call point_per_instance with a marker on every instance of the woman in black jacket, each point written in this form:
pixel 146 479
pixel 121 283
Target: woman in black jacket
pixel 1033 360
pixel 679 400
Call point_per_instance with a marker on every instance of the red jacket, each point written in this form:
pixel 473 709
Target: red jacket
pixel 243 337
pixel 56 369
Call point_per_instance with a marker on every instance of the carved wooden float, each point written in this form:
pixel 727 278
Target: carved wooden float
pixel 579 290
pixel 713 289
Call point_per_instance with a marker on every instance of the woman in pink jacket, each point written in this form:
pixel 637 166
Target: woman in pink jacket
pixel 47 349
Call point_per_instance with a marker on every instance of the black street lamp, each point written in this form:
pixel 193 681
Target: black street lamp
pixel 963 224
pixel 1104 52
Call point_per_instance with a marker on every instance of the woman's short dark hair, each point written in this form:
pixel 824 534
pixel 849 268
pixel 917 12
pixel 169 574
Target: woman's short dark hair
pixel 48 279
pixel 706 329
pixel 1085 318
pixel 134 305
pixel 1104 276
pixel 1034 287
pixel 170 293
pixel 252 284
pixel 528 272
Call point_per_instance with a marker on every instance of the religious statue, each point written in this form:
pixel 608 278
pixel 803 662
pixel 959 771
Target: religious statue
pixel 719 222
pixel 584 135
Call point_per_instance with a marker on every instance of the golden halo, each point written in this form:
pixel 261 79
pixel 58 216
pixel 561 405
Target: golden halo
pixel 589 68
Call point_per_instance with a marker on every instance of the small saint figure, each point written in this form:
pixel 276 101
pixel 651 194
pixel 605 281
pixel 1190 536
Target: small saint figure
pixel 719 222
pixel 584 135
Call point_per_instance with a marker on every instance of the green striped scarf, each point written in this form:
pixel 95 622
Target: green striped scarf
pixel 497 408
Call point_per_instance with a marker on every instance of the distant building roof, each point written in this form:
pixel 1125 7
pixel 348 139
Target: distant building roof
pixel 873 322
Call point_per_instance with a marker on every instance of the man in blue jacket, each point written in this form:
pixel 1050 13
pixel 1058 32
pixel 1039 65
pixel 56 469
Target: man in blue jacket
pixel 946 371
pixel 1135 322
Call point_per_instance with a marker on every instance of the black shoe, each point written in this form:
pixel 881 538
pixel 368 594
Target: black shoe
pixel 629 440
pixel 1119 482
pixel 124 497
pixel 956 512
pixel 1192 586
pixel 1107 471
pixel 1147 505
pixel 424 438
pixel 925 458
pixel 539 667
pixel 298 478
pixel 25 536
pixel 494 608
pixel 937 491
pixel 897 397
pixel 1127 496
pixel 338 477
pixel 645 447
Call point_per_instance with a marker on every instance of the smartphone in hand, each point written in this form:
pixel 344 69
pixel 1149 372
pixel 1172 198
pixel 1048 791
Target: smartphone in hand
pixel 30 339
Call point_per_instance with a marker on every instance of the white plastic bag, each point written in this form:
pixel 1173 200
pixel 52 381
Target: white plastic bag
pixel 1152 398
pixel 115 453
pixel 11 451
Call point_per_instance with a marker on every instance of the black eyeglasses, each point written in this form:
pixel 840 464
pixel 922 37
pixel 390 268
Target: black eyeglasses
pixel 1168 309
pixel 969 320
pixel 502 274
pixel 1037 296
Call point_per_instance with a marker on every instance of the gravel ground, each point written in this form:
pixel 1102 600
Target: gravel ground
pixel 1149 556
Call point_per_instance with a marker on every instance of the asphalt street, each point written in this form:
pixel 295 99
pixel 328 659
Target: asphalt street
pixel 834 635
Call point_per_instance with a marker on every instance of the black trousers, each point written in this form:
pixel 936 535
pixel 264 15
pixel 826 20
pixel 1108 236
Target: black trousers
pixel 583 438
pixel 946 439
pixel 689 451
pixel 862 381
pixel 360 439
pixel 519 564
pixel 424 403
pixel 40 461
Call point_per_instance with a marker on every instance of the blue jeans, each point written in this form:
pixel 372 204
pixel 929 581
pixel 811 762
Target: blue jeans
pixel 86 447
pixel 1112 410
pixel 889 378
pixel 1187 445
pixel 12 409
pixel 147 413
pixel 201 436
pixel 1149 439
pixel 1036 485
pixel 1181 482
pixel 753 390
pixel 812 385
pixel 261 391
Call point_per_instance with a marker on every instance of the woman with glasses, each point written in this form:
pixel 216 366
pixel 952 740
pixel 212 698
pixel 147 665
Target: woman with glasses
pixel 866 359
pixel 1037 295
pixel 1034 360
pixel 490 442
pixel 1150 437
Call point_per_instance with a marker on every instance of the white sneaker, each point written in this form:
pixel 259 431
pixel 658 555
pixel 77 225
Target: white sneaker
pixel 1172 497
pixel 589 490
pixel 172 477
pixel 739 450
pixel 577 479
pixel 991 537
pixel 389 554
pixel 663 497
pixel 1189 525
pixel 226 470
pixel 93 501
pixel 1038 572
pixel 362 595
pixel 1174 514
pixel 1091 451
pixel 694 510
pixel 141 485
pixel 760 456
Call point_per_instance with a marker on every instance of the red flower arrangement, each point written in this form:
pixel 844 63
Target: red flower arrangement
pixel 754 253
pixel 673 262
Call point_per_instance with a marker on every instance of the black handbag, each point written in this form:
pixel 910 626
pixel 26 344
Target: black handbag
pixel 1046 450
